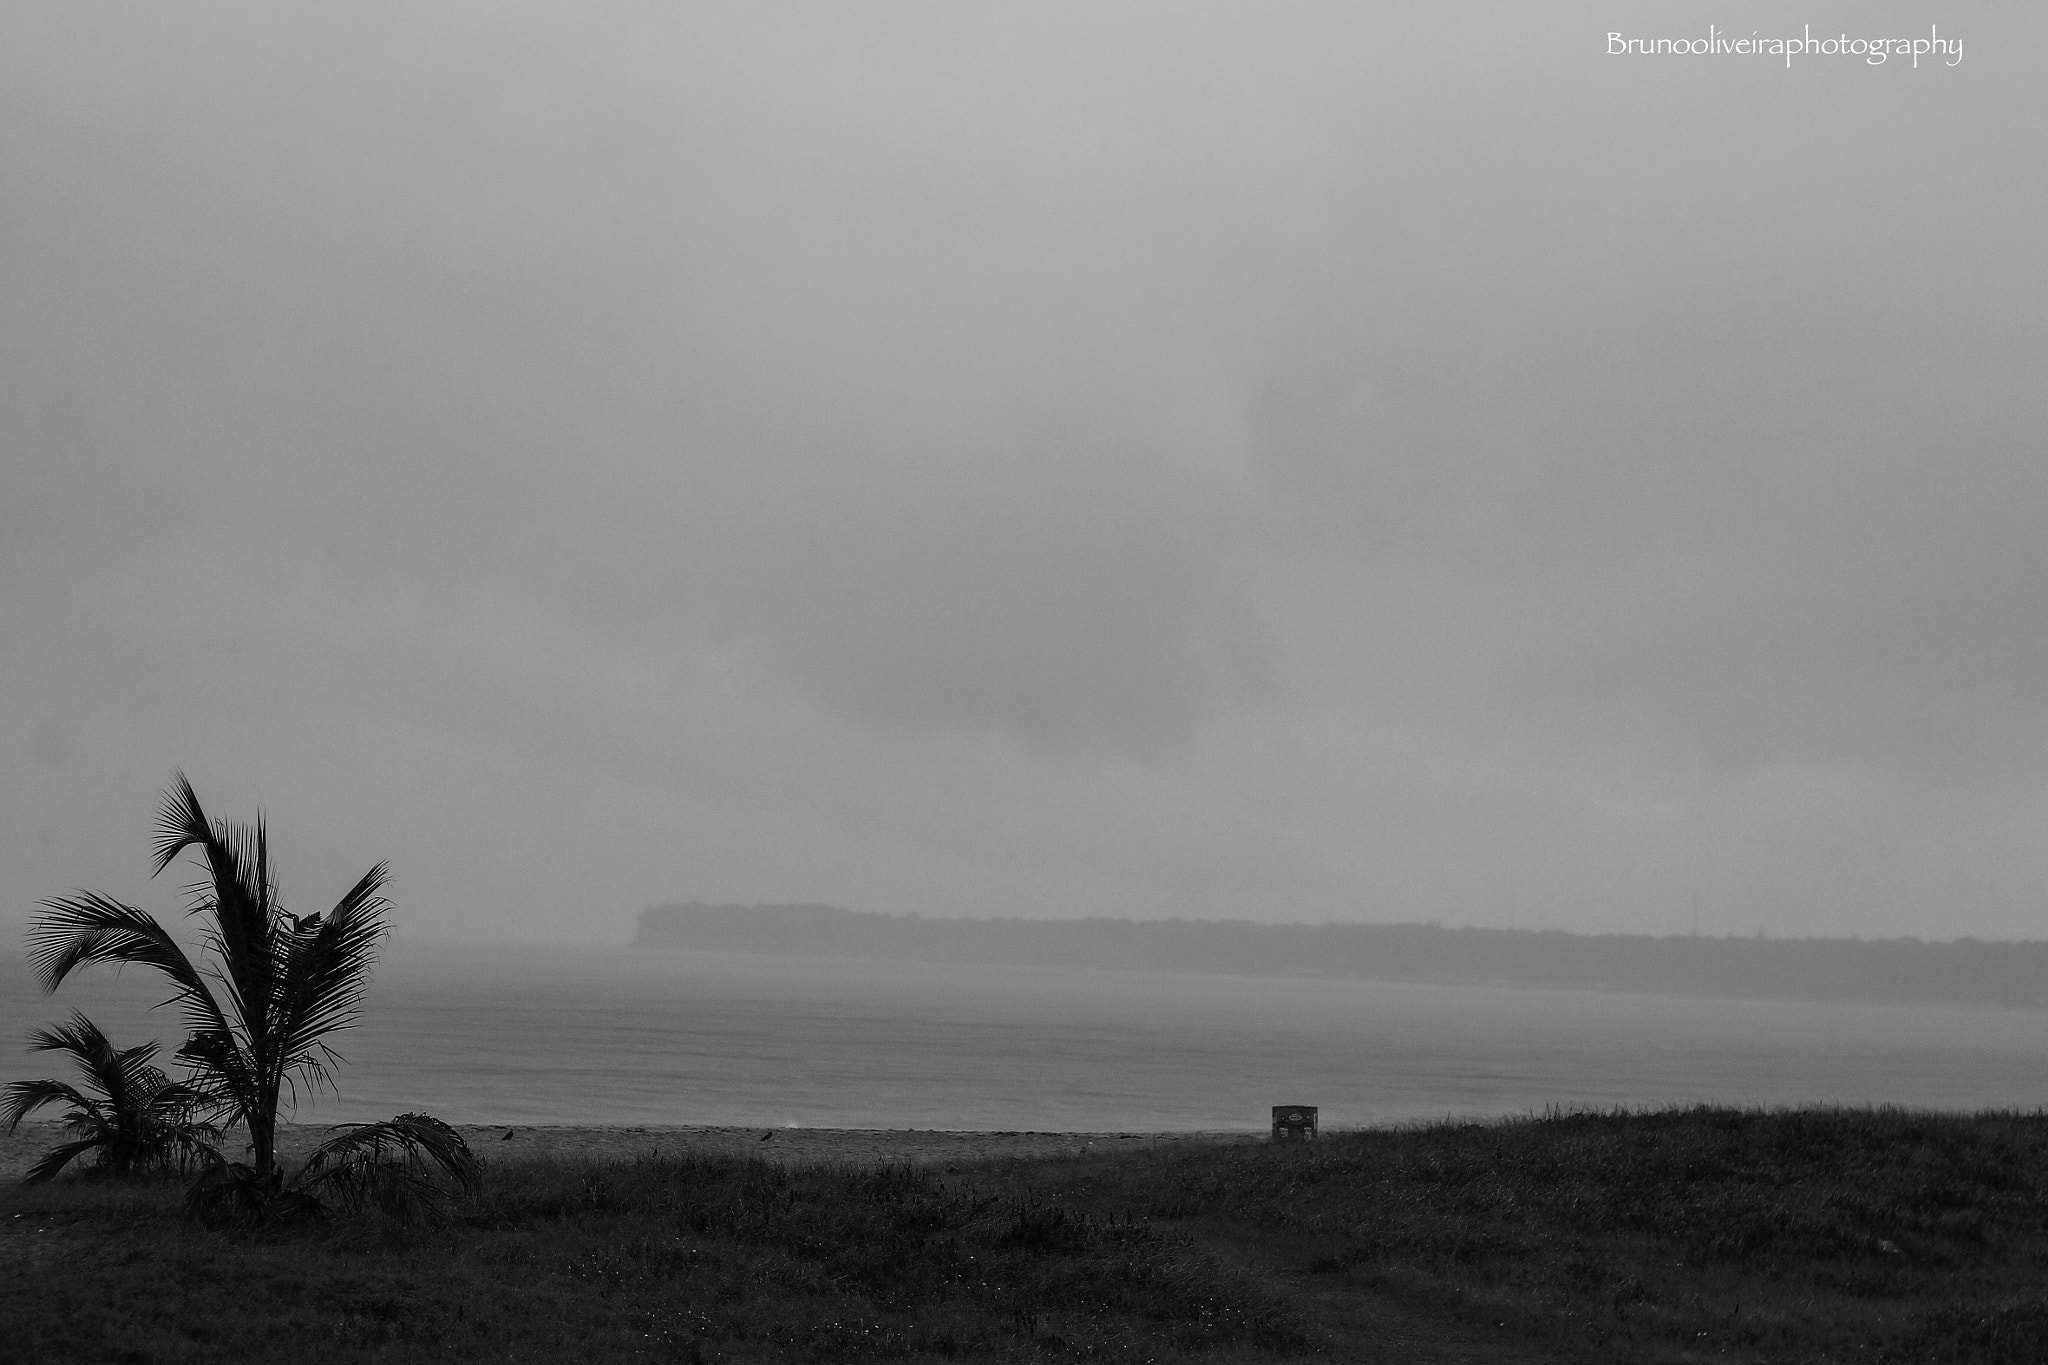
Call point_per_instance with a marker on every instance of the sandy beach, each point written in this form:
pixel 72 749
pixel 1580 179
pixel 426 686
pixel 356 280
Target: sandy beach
pixel 20 1149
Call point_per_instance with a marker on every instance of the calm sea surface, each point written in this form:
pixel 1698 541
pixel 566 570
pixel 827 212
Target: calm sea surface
pixel 509 1035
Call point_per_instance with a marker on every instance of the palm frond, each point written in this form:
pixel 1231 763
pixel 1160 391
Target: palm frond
pixel 80 1037
pixel 25 1097
pixel 57 1159
pixel 88 928
pixel 238 893
pixel 418 1136
pixel 138 1120
pixel 181 1142
pixel 121 1077
pixel 245 915
pixel 325 973
pixel 181 821
pixel 390 1166
pixel 134 1078
pixel 222 1072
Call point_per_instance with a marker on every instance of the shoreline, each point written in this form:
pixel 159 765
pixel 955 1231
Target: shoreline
pixel 617 1142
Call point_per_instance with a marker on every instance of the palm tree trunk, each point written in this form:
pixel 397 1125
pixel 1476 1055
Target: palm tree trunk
pixel 263 1137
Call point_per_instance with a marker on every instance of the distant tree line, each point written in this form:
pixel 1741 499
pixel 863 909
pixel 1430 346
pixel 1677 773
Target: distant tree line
pixel 1905 971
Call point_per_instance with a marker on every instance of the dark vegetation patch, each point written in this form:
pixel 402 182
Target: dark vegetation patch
pixel 708 1258
pixel 1818 1234
pixel 1801 1236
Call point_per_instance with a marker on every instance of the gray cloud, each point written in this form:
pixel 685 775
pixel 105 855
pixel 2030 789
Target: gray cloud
pixel 1142 461
pixel 1707 477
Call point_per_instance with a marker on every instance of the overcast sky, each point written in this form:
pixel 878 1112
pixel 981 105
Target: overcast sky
pixel 1288 462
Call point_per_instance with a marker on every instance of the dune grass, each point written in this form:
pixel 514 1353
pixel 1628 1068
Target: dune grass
pixel 1809 1235
pixel 692 1258
pixel 1805 1235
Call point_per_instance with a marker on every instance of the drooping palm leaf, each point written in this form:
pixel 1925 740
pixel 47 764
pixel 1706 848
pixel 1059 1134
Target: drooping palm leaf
pixel 390 1167
pixel 56 1159
pixel 89 928
pixel 25 1097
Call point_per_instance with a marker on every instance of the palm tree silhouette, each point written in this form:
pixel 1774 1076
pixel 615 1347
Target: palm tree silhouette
pixel 130 1117
pixel 277 988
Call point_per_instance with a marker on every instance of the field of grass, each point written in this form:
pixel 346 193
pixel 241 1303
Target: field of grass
pixel 1799 1236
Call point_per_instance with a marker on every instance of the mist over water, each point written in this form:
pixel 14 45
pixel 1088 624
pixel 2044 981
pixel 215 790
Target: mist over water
pixel 622 1036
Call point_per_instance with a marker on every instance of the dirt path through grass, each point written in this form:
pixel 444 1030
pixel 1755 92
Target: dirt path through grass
pixel 1366 1315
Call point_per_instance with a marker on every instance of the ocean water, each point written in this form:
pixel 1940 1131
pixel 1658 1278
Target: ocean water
pixel 480 1034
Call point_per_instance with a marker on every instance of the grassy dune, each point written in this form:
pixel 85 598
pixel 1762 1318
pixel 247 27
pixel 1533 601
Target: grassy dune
pixel 1818 1235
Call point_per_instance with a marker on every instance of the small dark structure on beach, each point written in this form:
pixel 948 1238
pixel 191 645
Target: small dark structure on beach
pixel 1294 1122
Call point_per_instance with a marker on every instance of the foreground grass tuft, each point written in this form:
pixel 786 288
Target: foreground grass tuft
pixel 1810 1235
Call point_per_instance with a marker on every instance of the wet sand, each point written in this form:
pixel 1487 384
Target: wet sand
pixel 19 1150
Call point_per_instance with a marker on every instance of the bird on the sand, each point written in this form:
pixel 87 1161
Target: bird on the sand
pixel 769 1134
pixel 507 1137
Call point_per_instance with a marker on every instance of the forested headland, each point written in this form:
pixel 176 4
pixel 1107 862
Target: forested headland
pixel 1906 971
